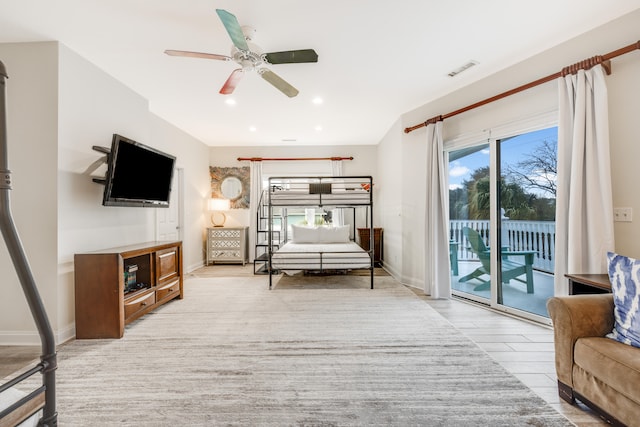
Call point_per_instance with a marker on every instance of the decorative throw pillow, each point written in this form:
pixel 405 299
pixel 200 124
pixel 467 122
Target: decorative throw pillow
pixel 300 234
pixel 338 234
pixel 624 274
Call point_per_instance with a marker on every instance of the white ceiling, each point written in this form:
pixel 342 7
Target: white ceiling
pixel 377 59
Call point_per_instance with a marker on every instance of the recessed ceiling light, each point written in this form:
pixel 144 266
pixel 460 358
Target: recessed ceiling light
pixel 252 129
pixel 230 101
pixel 317 100
pixel 318 128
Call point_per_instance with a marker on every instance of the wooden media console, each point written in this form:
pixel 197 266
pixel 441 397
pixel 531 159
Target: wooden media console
pixel 115 286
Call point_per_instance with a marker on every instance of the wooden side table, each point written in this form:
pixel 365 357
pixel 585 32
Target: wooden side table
pixel 580 284
pixel 364 234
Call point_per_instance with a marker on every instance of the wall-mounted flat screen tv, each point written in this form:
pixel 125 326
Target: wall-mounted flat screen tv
pixel 137 175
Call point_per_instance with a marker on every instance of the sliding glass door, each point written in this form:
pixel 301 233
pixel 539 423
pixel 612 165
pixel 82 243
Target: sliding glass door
pixel 502 196
pixel 526 196
pixel 469 214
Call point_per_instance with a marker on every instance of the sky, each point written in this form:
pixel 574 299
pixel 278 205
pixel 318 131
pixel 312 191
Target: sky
pixel 514 151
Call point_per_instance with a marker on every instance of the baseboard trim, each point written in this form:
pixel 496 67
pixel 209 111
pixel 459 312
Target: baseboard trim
pixel 32 337
pixel 19 338
pixel 193 267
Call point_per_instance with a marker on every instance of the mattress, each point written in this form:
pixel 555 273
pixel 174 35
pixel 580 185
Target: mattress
pixel 320 256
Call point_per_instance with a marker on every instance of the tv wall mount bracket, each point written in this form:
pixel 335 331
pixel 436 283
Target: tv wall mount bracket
pixel 106 151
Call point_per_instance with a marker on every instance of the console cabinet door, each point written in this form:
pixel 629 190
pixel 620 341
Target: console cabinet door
pixel 167 265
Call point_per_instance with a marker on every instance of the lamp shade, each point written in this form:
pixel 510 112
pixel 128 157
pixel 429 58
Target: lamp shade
pixel 219 204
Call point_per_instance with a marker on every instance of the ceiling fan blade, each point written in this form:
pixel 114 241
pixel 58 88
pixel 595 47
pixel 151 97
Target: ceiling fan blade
pixel 292 56
pixel 233 28
pixel 232 82
pixel 197 55
pixel 278 82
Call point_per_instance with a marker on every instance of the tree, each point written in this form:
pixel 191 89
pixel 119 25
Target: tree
pixel 538 172
pixel 472 200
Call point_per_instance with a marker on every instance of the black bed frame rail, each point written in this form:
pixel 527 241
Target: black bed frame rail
pixel 325 258
pixel 26 406
pixel 322 185
pixel 48 360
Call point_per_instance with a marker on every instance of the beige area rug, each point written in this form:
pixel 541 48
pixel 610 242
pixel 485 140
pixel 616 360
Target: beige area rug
pixel 314 351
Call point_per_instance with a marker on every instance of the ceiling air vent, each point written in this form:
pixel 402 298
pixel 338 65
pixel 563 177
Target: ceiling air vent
pixel 462 68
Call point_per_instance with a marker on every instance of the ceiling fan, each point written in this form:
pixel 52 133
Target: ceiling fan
pixel 250 57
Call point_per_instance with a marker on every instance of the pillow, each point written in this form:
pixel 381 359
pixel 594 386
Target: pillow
pixel 338 234
pixel 624 274
pixel 319 234
pixel 300 234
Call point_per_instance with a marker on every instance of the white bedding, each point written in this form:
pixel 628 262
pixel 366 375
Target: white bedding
pixel 320 256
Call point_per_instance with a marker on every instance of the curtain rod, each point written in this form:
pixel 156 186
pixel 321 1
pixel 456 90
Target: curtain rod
pixel 604 60
pixel 281 159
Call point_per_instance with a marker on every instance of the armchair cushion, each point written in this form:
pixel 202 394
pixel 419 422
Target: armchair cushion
pixel 612 362
pixel 624 274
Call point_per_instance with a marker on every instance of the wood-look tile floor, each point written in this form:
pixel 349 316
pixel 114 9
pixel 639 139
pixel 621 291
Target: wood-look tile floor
pixel 523 348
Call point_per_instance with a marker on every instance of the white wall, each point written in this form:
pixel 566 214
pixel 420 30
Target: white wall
pixel 91 107
pixel 192 157
pixel 390 196
pixel 364 163
pixel 624 101
pixel 32 94
pixel 624 130
pixel 62 105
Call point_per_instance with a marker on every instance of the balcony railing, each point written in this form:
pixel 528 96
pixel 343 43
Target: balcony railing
pixel 538 236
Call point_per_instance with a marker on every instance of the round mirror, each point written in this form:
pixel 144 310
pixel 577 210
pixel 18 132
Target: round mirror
pixel 231 187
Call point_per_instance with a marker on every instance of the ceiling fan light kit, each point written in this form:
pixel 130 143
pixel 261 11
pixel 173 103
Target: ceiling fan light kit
pixel 250 57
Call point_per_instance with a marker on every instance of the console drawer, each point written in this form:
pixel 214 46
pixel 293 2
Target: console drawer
pixel 168 291
pixel 138 303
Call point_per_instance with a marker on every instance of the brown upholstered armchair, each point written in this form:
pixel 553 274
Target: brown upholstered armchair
pixel 602 373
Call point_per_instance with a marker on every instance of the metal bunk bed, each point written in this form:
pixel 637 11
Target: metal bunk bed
pixel 335 192
pixel 43 397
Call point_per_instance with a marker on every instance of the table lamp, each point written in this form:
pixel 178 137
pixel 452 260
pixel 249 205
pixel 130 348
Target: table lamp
pixel 218 208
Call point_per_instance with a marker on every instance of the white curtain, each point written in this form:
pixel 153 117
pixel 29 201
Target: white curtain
pixel 256 192
pixel 337 215
pixel 437 263
pixel 584 211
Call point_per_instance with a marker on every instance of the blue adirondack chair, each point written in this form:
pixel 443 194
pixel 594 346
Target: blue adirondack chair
pixel 511 269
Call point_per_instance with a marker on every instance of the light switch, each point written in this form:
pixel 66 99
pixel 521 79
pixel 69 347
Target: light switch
pixel 623 214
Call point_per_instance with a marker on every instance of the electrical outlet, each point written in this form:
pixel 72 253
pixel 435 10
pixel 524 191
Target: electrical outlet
pixel 623 214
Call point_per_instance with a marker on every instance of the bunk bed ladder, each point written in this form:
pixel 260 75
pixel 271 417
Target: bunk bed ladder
pixel 259 253
pixel 260 262
pixel 32 403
